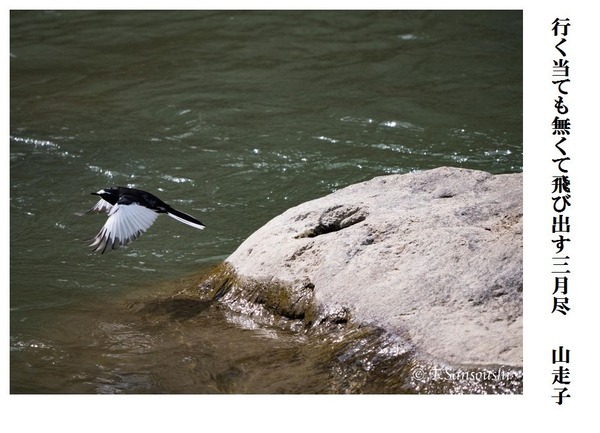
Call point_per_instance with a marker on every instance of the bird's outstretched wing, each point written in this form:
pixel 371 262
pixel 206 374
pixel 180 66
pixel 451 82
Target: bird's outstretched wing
pixel 101 206
pixel 125 223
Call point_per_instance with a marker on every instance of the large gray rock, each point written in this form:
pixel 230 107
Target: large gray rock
pixel 433 256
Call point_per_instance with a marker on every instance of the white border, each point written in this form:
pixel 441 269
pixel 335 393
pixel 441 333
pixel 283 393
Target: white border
pixel 439 413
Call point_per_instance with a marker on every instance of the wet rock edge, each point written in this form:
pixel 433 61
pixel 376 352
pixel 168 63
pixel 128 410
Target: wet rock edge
pixel 369 358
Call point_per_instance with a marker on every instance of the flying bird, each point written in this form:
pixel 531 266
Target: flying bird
pixel 130 213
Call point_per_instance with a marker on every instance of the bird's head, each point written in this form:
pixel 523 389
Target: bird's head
pixel 110 195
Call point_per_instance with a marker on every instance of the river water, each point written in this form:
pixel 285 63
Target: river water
pixel 232 117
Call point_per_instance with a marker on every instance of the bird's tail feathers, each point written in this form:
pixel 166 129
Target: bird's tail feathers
pixel 185 218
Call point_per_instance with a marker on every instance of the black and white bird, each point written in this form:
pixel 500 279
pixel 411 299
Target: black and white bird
pixel 130 213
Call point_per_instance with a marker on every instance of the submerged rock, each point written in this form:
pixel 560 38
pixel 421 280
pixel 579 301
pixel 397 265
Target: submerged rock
pixel 434 257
